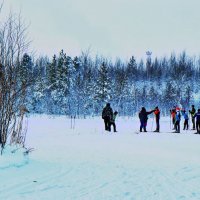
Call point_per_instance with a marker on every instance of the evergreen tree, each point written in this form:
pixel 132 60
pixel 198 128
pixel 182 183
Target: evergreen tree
pixel 51 74
pixel 153 97
pixel 170 96
pixel 81 86
pixel 187 98
pixel 26 67
pixel 143 97
pixel 103 86
pixel 132 69
pixel 38 89
pixel 120 92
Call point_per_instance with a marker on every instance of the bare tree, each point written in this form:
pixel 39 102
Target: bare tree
pixel 13 90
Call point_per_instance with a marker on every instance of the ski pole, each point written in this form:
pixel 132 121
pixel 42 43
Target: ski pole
pixel 152 124
pixel 74 122
pixel 71 122
pixel 170 121
pixel 190 118
pixel 187 128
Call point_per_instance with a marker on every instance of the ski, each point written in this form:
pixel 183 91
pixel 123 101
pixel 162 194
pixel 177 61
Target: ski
pixel 138 132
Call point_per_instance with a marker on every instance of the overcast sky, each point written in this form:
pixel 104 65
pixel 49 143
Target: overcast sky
pixel 112 28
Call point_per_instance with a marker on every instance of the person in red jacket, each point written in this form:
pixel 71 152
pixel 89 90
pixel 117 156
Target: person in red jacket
pixel 173 115
pixel 157 115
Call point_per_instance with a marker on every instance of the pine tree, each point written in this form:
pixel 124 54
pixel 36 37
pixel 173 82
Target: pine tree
pixel 120 91
pixel 102 87
pixel 25 69
pixel 38 91
pixel 132 69
pixel 170 96
pixel 51 74
pixel 61 73
pixel 143 97
pixel 78 86
pixel 153 97
pixel 187 97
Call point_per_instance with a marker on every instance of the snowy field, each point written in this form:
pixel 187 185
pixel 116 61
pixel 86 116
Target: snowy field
pixel 87 163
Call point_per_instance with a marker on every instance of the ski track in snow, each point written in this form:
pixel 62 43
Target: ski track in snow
pixel 91 164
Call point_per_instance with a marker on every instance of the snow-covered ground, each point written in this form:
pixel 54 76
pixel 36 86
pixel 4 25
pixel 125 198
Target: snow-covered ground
pixel 87 163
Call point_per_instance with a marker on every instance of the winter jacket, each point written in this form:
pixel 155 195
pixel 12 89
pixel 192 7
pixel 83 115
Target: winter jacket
pixel 197 115
pixel 192 112
pixel 113 118
pixel 107 112
pixel 157 113
pixel 173 113
pixel 185 115
pixel 178 116
pixel 143 115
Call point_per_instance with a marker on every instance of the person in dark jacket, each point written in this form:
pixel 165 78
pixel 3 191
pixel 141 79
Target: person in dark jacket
pixel 157 115
pixel 112 121
pixel 143 115
pixel 192 112
pixel 197 116
pixel 107 115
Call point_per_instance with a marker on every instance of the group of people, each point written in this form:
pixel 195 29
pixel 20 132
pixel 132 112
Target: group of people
pixel 143 116
pixel 175 113
pixel 109 117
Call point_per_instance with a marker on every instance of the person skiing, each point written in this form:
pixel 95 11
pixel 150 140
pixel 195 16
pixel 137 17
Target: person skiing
pixel 197 116
pixel 177 121
pixel 185 115
pixel 107 114
pixel 143 115
pixel 173 114
pixel 192 112
pixel 112 121
pixel 157 115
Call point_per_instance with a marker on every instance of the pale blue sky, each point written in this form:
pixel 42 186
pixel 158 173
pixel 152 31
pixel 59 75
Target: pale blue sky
pixel 113 28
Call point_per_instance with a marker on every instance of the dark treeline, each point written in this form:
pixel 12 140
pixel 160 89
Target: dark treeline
pixel 82 85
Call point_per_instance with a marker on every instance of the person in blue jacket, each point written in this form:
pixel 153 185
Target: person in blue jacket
pixel 177 121
pixel 185 116
pixel 197 116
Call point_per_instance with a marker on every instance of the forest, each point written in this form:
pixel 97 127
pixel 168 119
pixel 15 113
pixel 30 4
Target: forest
pixel 81 85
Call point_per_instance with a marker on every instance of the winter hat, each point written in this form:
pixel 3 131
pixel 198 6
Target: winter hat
pixel 143 109
pixel 108 104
